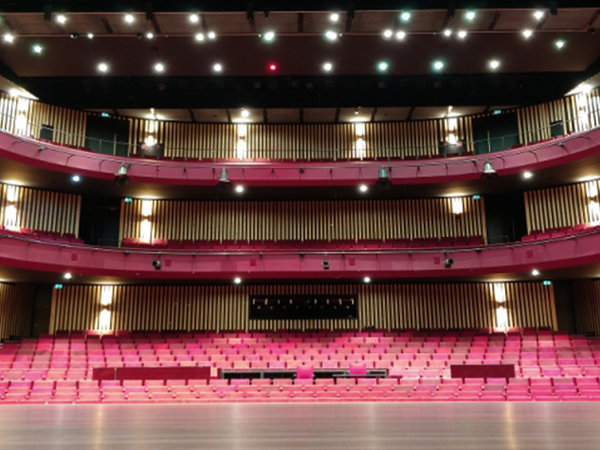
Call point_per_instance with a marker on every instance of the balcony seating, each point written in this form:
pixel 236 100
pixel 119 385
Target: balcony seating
pixel 58 368
pixel 61 238
pixel 551 233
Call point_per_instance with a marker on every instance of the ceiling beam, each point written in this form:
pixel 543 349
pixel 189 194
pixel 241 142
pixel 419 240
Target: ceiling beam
pixel 191 113
pixel 410 113
pixel 494 21
pixel 106 25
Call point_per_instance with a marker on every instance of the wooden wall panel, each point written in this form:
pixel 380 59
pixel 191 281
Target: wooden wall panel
pixel 16 306
pixel 586 303
pixel 391 306
pixel 560 206
pixel 42 210
pixel 305 220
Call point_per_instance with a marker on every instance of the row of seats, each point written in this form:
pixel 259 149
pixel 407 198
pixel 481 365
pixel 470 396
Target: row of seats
pixel 63 238
pixel 552 233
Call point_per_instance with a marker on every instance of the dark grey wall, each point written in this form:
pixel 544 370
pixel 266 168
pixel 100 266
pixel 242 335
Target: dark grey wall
pixel 563 299
pixel 42 302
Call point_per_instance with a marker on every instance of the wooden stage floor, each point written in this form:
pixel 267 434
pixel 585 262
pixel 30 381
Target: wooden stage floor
pixel 346 426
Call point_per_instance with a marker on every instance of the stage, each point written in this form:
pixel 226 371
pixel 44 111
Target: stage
pixel 345 426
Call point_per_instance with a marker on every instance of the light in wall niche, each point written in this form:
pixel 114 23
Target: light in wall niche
pixel 359 128
pixel 500 292
pixel 104 320
pixel 457 205
pixel 241 149
pixel 242 130
pixel 106 295
pixel 10 217
pixel 502 318
pixel 147 206
pixel 361 148
pixel 591 188
pixel 145 231
pixel 12 193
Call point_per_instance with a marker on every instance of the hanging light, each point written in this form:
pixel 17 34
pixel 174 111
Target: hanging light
pixel 383 181
pixel 121 177
pixel 488 169
pixel 224 177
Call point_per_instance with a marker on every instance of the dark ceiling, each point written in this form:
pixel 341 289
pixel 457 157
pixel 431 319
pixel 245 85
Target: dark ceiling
pixel 65 73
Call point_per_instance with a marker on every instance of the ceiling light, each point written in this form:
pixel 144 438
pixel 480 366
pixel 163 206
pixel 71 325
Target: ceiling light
pixel 334 17
pixel 560 43
pixel 237 280
pixel 447 32
pixel 212 35
pixel 527 33
pixel 366 279
pixel 327 67
pixel 37 49
pixel 128 18
pixel 159 67
pixel 535 273
pixel 272 67
pixel 8 37
pixel 61 18
pixel 405 16
pixel 269 36
pixel 387 34
pixel 438 65
pixel 400 35
pixel 461 34
pixel 240 189
pixel 199 37
pixel 90 35
pixel 217 67
pixel 245 113
pixel 470 15
pixel 194 18
pixel 102 67
pixel 75 178
pixel 383 66
pixel 331 35
pixel 363 188
pixel 67 276
pixel 538 14
pixel 149 35
pixel 527 175
pixel 494 64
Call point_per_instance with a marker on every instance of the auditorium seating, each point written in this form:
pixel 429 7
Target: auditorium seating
pixel 551 233
pixel 58 368
pixel 61 238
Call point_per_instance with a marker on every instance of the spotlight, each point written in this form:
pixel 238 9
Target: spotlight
pixel 527 175
pixel 400 35
pixel 447 32
pixel 387 34
pixel 334 17
pixel 237 280
pixel 212 35
pixel 67 276
pixel 194 18
pixel 159 67
pixel 405 16
pixel 9 38
pixel 272 67
pixel 73 35
pixel 224 177
pixel 538 14
pixel 102 67
pixel 383 66
pixel 121 177
pixel 462 34
pixel 383 181
pixel 240 189
pixel 331 35
pixel 438 65
pixel 128 18
pixel 366 279
pixel 269 36
pixel 488 170
pixel 61 18
pixel 327 67
pixel 90 35
pixel 494 64
pixel 448 262
pixel 470 15
pixel 75 178
pixel 535 273
pixel 156 264
pixel 199 37
pixel 217 67
pixel 363 188
pixel 37 49
pixel 527 33
pixel 149 35
pixel 559 44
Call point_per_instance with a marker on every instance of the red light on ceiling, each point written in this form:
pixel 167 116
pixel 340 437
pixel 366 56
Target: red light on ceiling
pixel 272 67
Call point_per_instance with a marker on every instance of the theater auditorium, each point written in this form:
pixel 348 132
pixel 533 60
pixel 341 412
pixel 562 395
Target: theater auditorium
pixel 301 224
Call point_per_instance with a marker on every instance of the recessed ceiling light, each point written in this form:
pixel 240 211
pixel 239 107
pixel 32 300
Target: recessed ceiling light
pixel 438 65
pixel 366 279
pixel 494 64
pixel 272 67
pixel 331 35
pixel 527 33
pixel 387 34
pixel 363 188
pixel 535 273
pixel 527 175
pixel 159 67
pixel 128 18
pixel 67 276
pixel 90 35
pixel 405 16
pixel 538 14
pixel 470 15
pixel 149 35
pixel 212 35
pixel 102 67
pixel 75 178
pixel 245 113
pixel 560 43
pixel 217 67
pixel 194 18
pixel 383 66
pixel 269 36
pixel 199 37
pixel 334 17
pixel 447 32
pixel 61 18
pixel 400 35
pixel 327 67
pixel 37 49
pixel 461 34
pixel 9 38
pixel 237 280
pixel 240 189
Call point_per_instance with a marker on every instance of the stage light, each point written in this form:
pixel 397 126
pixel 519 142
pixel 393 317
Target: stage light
pixel 366 280
pixel 67 276
pixel 269 36
pixel 387 34
pixel 128 18
pixel 90 35
pixel 447 32
pixel 363 188
pixel 383 66
pixel 75 178
pixel 535 273
pixel 159 67
pixel 400 35
pixel 240 189
pixel 9 38
pixel 527 33
pixel 212 35
pixel 103 67
pixel 37 49
pixel 327 67
pixel 194 18
pixel 405 16
pixel 438 65
pixel 237 280
pixel 470 15
pixel 494 64
pixel 334 17
pixel 527 175
pixel 539 14
pixel 559 44
pixel 462 34
pixel 331 35
pixel 199 37
pixel 217 67
pixel 61 18
pixel 272 67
